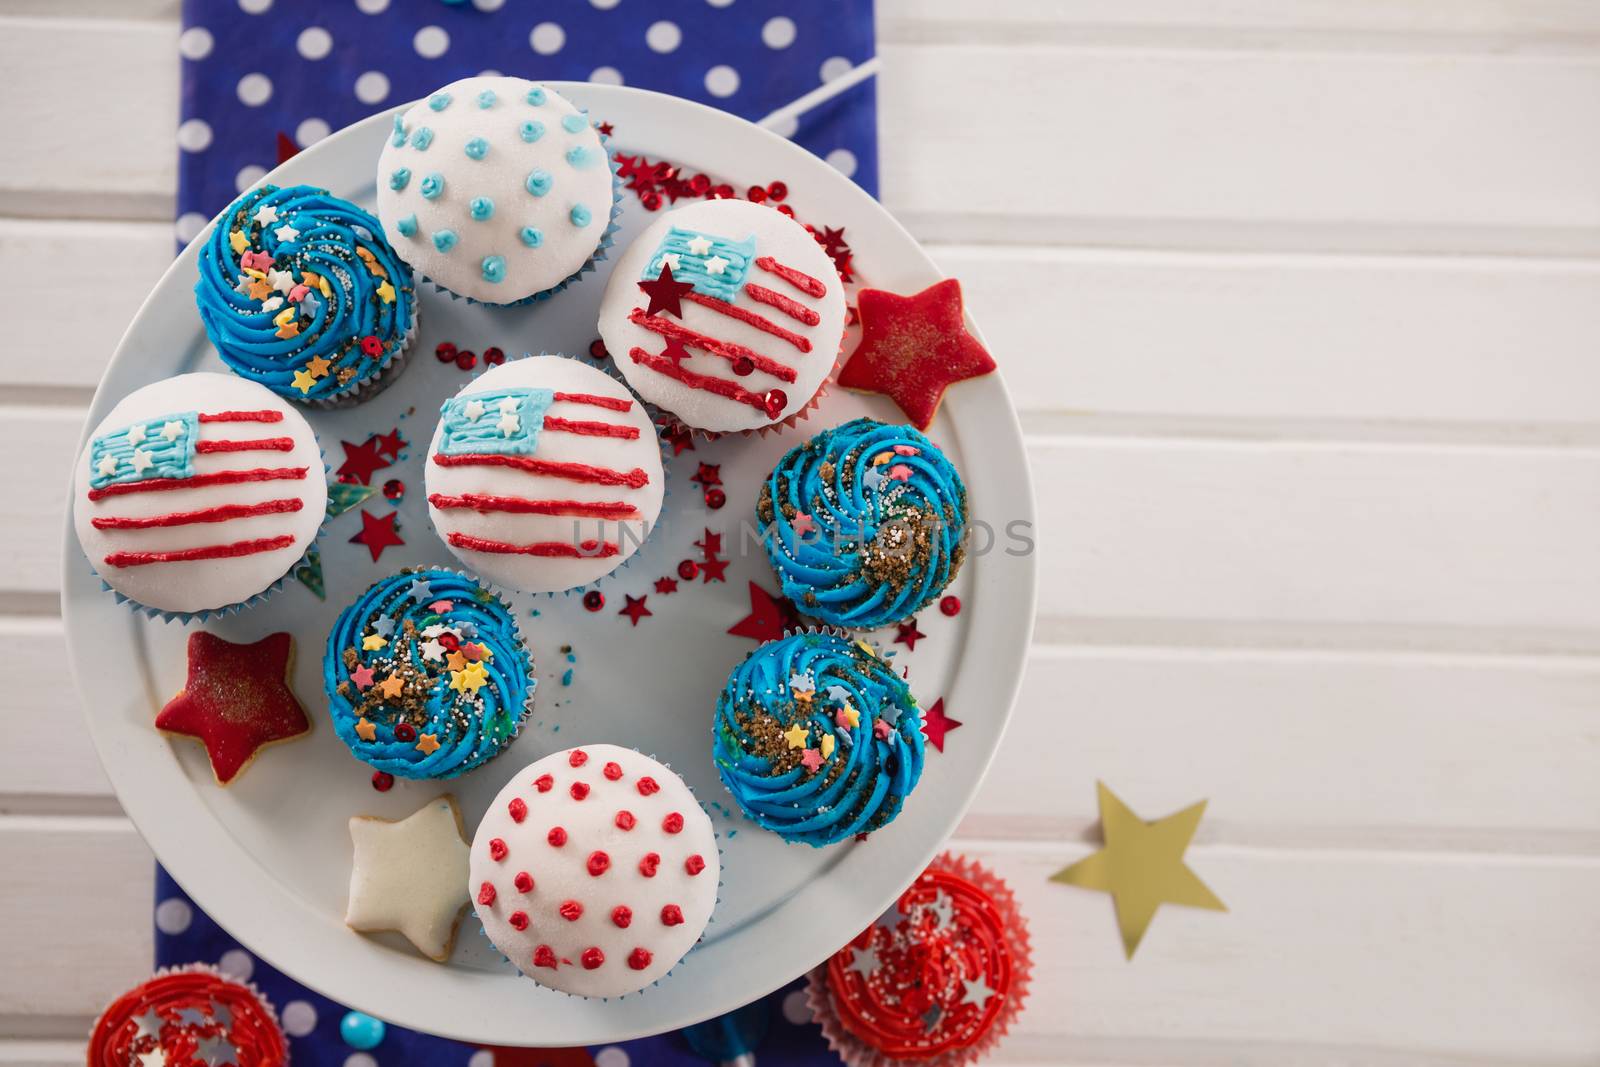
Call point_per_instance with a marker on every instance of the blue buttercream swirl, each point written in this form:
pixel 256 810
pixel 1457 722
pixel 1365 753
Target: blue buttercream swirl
pixel 334 241
pixel 886 517
pixel 454 708
pixel 817 738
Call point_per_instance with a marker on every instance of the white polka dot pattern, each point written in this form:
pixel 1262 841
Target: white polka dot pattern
pixel 611 1056
pixel 174 915
pixel 299 1018
pixel 595 870
pixel 237 963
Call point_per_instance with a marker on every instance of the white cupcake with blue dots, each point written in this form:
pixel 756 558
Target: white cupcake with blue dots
pixel 496 189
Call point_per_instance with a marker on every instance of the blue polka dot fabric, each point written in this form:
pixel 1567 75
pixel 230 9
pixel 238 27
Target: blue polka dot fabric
pixel 265 78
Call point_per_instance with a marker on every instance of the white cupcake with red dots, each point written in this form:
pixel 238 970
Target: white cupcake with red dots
pixel 594 871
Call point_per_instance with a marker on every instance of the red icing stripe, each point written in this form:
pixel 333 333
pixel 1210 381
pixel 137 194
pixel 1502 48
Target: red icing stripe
pixel 588 428
pixel 575 472
pixel 799 279
pixel 221 513
pixel 594 400
pixel 185 555
pixel 728 350
pixel 199 481
pixel 260 444
pixel 719 386
pixel 521 506
pixel 587 550
pixel 765 325
pixel 792 308
pixel 241 416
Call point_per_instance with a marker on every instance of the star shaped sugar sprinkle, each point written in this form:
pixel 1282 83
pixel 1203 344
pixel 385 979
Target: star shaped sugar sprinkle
pixel 935 724
pixel 266 215
pixel 1141 866
pixel 666 295
pixel 410 876
pixel 913 348
pixel 377 533
pixel 635 609
pixel 235 701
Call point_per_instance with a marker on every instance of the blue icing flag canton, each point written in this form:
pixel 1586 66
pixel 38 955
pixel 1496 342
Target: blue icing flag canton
pixel 503 422
pixel 715 266
pixel 158 448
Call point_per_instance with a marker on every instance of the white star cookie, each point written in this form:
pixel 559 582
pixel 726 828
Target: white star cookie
pixel 410 876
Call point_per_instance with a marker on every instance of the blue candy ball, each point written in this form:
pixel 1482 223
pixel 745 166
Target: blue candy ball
pixel 361 1031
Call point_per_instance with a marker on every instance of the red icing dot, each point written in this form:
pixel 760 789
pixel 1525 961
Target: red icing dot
pixel 486 894
pixel 613 771
pixel 673 823
pixel 639 959
pixel 579 790
pixel 543 783
pixel 571 910
pixel 599 863
pixel 688 570
pixel 671 915
pixel 694 864
pixel 405 732
pixel 497 849
pixel 592 957
pixel 950 605
pixel 594 600
pixel 648 865
pixel 622 915
pixel 382 781
pixel 625 820
pixel 578 757
pixel 518 809
pixel 518 920
pixel 523 881
pixel 648 786
pixel 557 836
pixel 544 956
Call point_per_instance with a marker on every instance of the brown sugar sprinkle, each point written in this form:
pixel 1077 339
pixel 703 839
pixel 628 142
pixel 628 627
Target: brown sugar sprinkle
pixel 764 506
pixel 767 741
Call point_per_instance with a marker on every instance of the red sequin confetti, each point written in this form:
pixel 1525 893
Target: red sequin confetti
pixel 715 499
pixel 777 190
pixel 594 600
pixel 391 444
pixel 377 534
pixel 935 724
pixel 493 356
pixel 906 633
pixel 394 490
pixel 774 401
pixel 666 585
pixel 770 616
pixel 382 781
pixel 635 609
pixel 445 352
pixel 743 366
pixel 950 605
pixel 466 360
pixel 597 349
pixel 688 570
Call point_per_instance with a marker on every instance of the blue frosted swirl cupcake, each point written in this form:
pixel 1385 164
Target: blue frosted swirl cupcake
pixel 299 291
pixel 817 738
pixel 427 675
pixel 864 523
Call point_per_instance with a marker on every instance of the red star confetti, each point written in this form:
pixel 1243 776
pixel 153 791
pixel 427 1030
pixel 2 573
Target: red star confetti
pixel 713 570
pixel 361 461
pixel 906 633
pixel 707 475
pixel 769 616
pixel 287 149
pixel 680 437
pixel 377 534
pixel 635 609
pixel 235 701
pixel 666 585
pixel 390 444
pixel 675 351
pixel 665 294
pixel 913 348
pixel 604 129
pixel 935 724
pixel 710 545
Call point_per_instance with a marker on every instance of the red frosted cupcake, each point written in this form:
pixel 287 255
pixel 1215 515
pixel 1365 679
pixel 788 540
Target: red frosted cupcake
pixel 939 979
pixel 188 1015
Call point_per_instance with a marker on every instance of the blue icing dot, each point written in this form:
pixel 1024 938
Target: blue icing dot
pixel 581 215
pixel 573 123
pixel 398 179
pixel 444 240
pixel 532 236
pixel 494 268
pixel 399 132
pixel 535 96
pixel 477 148
pixel 531 131
pixel 579 156
pixel 439 101
pixel 482 207
pixel 538 182
pixel 432 185
pixel 422 139
pixel 407 226
pixel 486 98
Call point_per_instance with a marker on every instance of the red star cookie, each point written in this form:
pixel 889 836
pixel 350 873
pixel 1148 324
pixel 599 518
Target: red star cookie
pixel 236 700
pixel 913 348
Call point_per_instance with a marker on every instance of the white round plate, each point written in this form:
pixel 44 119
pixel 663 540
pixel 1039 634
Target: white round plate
pixel 269 856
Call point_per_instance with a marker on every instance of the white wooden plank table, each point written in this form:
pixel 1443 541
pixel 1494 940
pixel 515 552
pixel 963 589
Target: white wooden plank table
pixel 1313 404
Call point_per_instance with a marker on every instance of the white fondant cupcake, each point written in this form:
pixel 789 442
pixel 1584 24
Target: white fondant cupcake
pixel 727 314
pixel 496 189
pixel 544 474
pixel 594 871
pixel 198 493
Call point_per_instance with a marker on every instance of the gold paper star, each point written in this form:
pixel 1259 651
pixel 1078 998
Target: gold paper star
pixel 796 736
pixel 305 383
pixel 316 366
pixel 427 744
pixel 1141 866
pixel 391 686
pixel 366 730
pixel 386 293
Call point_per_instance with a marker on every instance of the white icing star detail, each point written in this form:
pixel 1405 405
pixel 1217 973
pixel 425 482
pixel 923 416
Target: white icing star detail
pixel 286 232
pixel 508 405
pixel 390 890
pixel 716 265
pixel 280 280
pixel 272 303
pixel 864 962
pixel 699 246
pixel 172 430
pixel 978 992
pixel 108 465
pixel 432 650
pixel 142 461
pixel 266 214
pixel 474 410
pixel 671 259
pixel 509 424
pixel 136 434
